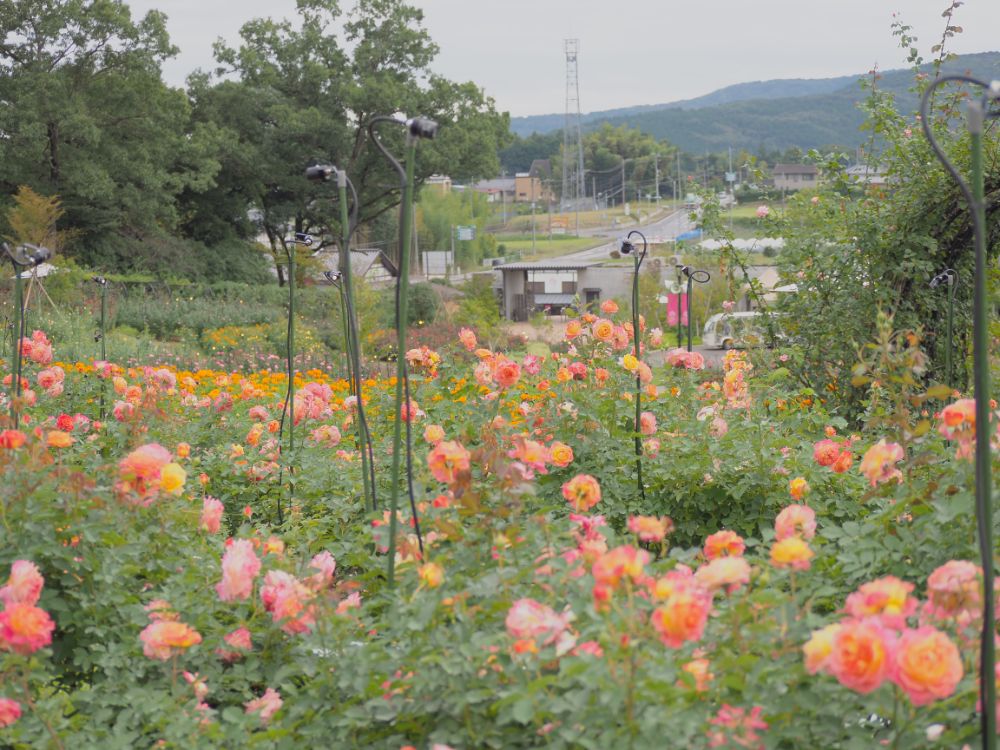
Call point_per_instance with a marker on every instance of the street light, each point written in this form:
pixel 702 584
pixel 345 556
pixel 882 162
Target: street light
pixel 352 342
pixel 21 258
pixel 702 277
pixel 627 248
pixel 416 128
pixel 949 277
pixel 979 109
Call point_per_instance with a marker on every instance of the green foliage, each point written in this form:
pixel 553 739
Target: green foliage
pixel 478 309
pixel 439 215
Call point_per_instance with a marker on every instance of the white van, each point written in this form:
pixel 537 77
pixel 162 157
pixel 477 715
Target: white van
pixel 733 330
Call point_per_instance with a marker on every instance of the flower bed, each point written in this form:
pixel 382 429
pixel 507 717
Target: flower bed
pixel 778 581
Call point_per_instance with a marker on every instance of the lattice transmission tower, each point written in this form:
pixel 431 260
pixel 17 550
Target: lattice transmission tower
pixel 574 195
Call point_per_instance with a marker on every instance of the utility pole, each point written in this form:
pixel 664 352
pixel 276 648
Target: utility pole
pixel 623 181
pixel 656 166
pixel 680 183
pixel 573 188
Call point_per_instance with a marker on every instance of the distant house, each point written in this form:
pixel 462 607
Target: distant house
pixel 501 189
pixel 795 176
pixel 867 175
pixel 439 183
pixel 369 264
pixel 551 286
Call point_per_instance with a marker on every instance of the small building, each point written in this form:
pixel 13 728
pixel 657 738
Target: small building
pixel 439 183
pixel 550 286
pixel 370 264
pixel 865 174
pixel 795 176
pixel 498 190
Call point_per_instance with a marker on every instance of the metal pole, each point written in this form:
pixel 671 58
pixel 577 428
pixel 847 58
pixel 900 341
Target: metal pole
pixel 104 349
pixel 951 318
pixel 404 271
pixel 689 311
pixel 18 335
pixel 680 336
pixel 981 373
pixel 352 341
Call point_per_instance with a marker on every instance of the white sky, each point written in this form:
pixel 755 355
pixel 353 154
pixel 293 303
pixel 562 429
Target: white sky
pixel 631 51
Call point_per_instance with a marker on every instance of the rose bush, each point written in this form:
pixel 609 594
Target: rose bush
pixel 781 580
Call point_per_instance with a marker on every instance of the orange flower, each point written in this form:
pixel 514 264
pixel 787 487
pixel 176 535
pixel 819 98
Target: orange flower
pixel 11 439
pixel 795 520
pixel 468 338
pixel 603 329
pixel 172 478
pixel 609 307
pixel 817 649
pixel 560 454
pixel 163 639
pixel 879 462
pixel 792 552
pixel 582 492
pixel 433 433
pixel 699 671
pixel 888 598
pixel 573 329
pixel 447 460
pixel 798 488
pixel 650 528
pixel 58 439
pixel 621 562
pixel 183 450
pixel 682 617
pixel 928 665
pixel 431 574
pixel 724 543
pixel 861 655
pixel 25 628
pixel 724 572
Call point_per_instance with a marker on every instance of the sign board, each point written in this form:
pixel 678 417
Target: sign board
pixel 465 233
pixel 558 226
pixel 677 307
pixel 730 176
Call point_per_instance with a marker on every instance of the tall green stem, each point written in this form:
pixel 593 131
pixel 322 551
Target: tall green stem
pixel 18 335
pixel 351 338
pixel 401 325
pixel 981 367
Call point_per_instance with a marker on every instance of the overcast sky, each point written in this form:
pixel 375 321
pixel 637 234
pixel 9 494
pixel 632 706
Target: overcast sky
pixel 631 51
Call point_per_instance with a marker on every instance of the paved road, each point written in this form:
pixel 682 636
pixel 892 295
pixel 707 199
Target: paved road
pixel 668 227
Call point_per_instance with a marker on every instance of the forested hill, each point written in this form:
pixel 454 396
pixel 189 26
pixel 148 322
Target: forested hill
pixel 808 113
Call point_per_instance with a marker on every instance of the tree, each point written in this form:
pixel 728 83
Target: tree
pixel 301 98
pixel 89 118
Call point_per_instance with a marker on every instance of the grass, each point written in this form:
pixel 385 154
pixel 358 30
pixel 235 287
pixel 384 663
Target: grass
pixel 588 219
pixel 546 248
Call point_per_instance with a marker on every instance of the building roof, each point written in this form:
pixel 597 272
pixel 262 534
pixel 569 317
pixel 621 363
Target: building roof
pixel 505 184
pixel 794 169
pixel 554 299
pixel 541 168
pixel 547 265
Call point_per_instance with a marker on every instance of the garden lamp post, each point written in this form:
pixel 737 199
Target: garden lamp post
pixel 417 128
pixel 679 267
pixel 21 258
pixel 638 257
pixel 949 277
pixel 342 279
pixel 702 277
pixel 300 238
pixel 979 109
pixel 101 335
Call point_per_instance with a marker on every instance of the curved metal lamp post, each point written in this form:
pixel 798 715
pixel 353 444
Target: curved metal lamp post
pixel 416 129
pixel 21 258
pixel 949 277
pixel 343 280
pixel 702 277
pixel 638 257
pixel 978 111
pixel 101 335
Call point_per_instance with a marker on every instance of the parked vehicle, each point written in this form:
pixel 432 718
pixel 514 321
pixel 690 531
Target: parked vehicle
pixel 735 330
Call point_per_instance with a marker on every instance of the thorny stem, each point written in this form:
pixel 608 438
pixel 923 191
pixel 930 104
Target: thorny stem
pixel 34 709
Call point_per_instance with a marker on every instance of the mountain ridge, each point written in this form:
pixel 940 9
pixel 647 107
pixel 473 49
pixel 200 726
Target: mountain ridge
pixel 777 113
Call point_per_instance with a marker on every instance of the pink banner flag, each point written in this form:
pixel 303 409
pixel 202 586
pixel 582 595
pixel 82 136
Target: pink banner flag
pixel 672 312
